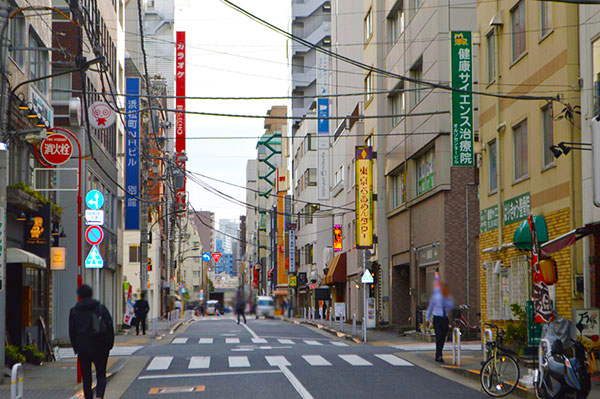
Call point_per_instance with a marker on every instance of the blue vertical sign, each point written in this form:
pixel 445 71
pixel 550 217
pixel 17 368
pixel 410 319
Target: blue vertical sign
pixel 323 114
pixel 132 154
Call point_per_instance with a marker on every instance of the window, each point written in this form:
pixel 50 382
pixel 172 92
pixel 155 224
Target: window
pixel 417 74
pixel 518 33
pixel 493 166
pixel 38 62
pixel 61 83
pixel 426 172
pixel 506 286
pixel 368 25
pixel 310 142
pixel 396 100
pixel 16 28
pixel 491 56
pixel 310 177
pixel 196 288
pixel 397 190
pixel 396 24
pixel 368 87
pixel 134 253
pixel 545 18
pixel 520 151
pixel 548 135
pixel 338 176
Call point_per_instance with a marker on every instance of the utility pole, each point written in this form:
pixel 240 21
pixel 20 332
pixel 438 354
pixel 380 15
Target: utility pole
pixel 144 215
pixel 4 90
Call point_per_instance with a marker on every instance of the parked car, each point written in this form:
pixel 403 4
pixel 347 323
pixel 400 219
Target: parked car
pixel 265 306
pixel 211 307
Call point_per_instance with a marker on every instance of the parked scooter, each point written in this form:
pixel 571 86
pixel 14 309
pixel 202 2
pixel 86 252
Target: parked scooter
pixel 559 376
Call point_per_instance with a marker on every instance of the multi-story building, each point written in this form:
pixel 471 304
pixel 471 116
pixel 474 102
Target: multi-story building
pixel 252 220
pixel 228 230
pixel 205 224
pixel 311 22
pixel 527 48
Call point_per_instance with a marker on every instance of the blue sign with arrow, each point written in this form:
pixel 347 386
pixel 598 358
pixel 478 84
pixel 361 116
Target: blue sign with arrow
pixel 94 199
pixel 94 259
pixel 206 256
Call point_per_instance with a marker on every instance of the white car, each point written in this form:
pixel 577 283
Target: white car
pixel 211 307
pixel 265 307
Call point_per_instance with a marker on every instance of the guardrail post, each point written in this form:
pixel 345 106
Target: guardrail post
pixel 330 321
pixel 354 325
pixel 456 346
pixel 16 382
pixel 488 336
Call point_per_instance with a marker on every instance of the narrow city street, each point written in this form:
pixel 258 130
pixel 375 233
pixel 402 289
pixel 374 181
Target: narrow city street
pixel 275 359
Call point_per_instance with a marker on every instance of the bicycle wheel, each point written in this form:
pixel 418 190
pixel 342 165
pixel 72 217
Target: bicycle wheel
pixel 499 375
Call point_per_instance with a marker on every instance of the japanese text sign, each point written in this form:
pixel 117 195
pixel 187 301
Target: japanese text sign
pixel 517 208
pixel 132 154
pixel 462 99
pixel 364 197
pixel 56 149
pixel 180 116
pixel 337 237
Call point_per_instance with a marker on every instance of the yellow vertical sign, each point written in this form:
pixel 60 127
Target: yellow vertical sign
pixel 364 197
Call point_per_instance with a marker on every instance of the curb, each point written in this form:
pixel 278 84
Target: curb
pixel 110 373
pixel 179 324
pixel 331 331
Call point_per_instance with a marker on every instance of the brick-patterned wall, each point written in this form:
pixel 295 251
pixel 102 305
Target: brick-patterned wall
pixel 558 224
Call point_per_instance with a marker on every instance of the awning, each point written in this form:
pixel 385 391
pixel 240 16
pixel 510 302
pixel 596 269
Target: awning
pixel 522 236
pixel 17 255
pixel 337 270
pixel 569 239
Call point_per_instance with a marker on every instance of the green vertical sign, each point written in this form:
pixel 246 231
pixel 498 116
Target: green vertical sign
pixel 462 98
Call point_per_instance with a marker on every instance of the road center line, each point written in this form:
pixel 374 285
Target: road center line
pixel 191 375
pixel 251 332
pixel 304 394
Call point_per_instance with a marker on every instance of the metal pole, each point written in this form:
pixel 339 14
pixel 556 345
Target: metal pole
pixel 354 325
pixel 364 287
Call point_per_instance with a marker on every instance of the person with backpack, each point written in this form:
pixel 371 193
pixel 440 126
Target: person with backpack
pixel 141 310
pixel 92 336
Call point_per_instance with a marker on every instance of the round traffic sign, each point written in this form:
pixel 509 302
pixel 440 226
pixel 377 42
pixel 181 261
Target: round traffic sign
pixel 94 199
pixel 94 235
pixel 206 257
pixel 56 149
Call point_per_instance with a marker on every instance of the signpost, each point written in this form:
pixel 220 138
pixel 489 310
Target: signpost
pixel 94 259
pixel 56 149
pixel 94 235
pixel 206 257
pixel 216 256
pixel 94 217
pixel 94 200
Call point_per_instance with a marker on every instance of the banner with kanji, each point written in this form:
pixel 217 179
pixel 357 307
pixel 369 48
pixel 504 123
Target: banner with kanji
pixel 542 304
pixel 364 197
pixel 462 98
pixel 180 117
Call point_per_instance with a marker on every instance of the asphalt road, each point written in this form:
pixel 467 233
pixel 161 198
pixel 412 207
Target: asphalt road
pixel 273 359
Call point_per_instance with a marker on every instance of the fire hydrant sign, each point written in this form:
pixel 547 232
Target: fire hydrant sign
pixel 56 149
pixel 101 115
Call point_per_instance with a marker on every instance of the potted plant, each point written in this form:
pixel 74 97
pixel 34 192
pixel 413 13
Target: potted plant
pixel 516 331
pixel 12 355
pixel 32 355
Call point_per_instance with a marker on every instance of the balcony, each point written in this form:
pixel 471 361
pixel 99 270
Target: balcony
pixel 304 8
pixel 319 32
pixel 304 79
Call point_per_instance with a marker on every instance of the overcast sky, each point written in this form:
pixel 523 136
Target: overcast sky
pixel 213 28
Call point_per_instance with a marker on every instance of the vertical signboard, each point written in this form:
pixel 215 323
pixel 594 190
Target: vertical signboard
pixel 337 237
pixel 462 99
pixel 132 154
pixel 323 172
pixel 364 197
pixel 323 169
pixel 180 116
pixel 292 249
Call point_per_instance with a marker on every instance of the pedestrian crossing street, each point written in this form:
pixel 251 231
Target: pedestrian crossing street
pixel 263 341
pixel 162 363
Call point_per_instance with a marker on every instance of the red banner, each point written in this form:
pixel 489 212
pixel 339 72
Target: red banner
pixel 180 106
pixel 542 304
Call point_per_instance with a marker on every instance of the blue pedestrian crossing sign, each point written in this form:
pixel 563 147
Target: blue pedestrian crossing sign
pixel 94 199
pixel 206 256
pixel 94 259
pixel 367 278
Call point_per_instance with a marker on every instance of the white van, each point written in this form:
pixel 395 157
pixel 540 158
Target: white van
pixel 211 307
pixel 265 307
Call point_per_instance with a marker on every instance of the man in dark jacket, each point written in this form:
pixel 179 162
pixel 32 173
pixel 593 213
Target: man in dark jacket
pixel 92 336
pixel 141 310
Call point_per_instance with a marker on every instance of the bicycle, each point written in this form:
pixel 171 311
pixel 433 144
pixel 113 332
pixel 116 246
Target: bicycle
pixel 500 372
pixel 462 323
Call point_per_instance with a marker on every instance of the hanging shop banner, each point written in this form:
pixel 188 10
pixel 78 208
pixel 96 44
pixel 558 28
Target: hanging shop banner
pixel 337 237
pixel 542 304
pixel 462 102
pixel 364 197
pixel 323 172
pixel 58 257
pixel 132 155
pixel 292 249
pixel 180 106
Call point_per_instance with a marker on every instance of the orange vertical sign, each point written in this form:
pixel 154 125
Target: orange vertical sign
pixel 364 197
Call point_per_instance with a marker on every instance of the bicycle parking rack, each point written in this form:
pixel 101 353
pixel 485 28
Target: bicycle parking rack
pixel 456 346
pixel 488 336
pixel 16 382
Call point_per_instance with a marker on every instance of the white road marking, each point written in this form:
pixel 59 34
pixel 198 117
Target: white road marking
pixel 286 341
pixel 316 360
pixel 277 361
pixel 238 361
pixel 250 331
pixel 336 343
pixel 259 340
pixel 199 362
pixel 394 360
pixel 205 341
pixel 312 342
pixel 304 394
pixel 179 341
pixel 192 375
pixel 355 360
pixel 160 363
pixel 232 340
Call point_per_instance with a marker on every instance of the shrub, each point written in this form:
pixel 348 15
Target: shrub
pixel 12 355
pixel 32 355
pixel 516 331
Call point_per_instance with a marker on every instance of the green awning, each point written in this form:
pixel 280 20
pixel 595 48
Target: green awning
pixel 522 237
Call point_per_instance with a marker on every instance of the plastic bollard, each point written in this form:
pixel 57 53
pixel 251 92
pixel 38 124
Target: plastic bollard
pixel 16 382
pixel 354 325
pixel 456 348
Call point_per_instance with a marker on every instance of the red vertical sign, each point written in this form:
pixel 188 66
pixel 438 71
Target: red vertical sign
pixel 180 116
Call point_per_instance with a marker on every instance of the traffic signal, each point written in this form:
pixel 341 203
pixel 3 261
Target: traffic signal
pixel 149 262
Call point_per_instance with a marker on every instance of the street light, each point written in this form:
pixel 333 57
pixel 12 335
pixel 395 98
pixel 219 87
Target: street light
pixel 564 147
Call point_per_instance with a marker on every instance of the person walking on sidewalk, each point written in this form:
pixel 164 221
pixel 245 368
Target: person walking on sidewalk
pixel 439 305
pixel 141 310
pixel 92 336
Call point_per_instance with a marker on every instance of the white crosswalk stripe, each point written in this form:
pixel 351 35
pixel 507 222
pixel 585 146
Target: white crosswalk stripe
pixel 312 342
pixel 205 341
pixel 259 340
pixel 286 341
pixel 316 360
pixel 238 361
pixel 160 363
pixel 199 362
pixel 336 343
pixel 355 360
pixel 232 340
pixel 277 361
pixel 179 341
pixel 394 360
pixel 67 353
